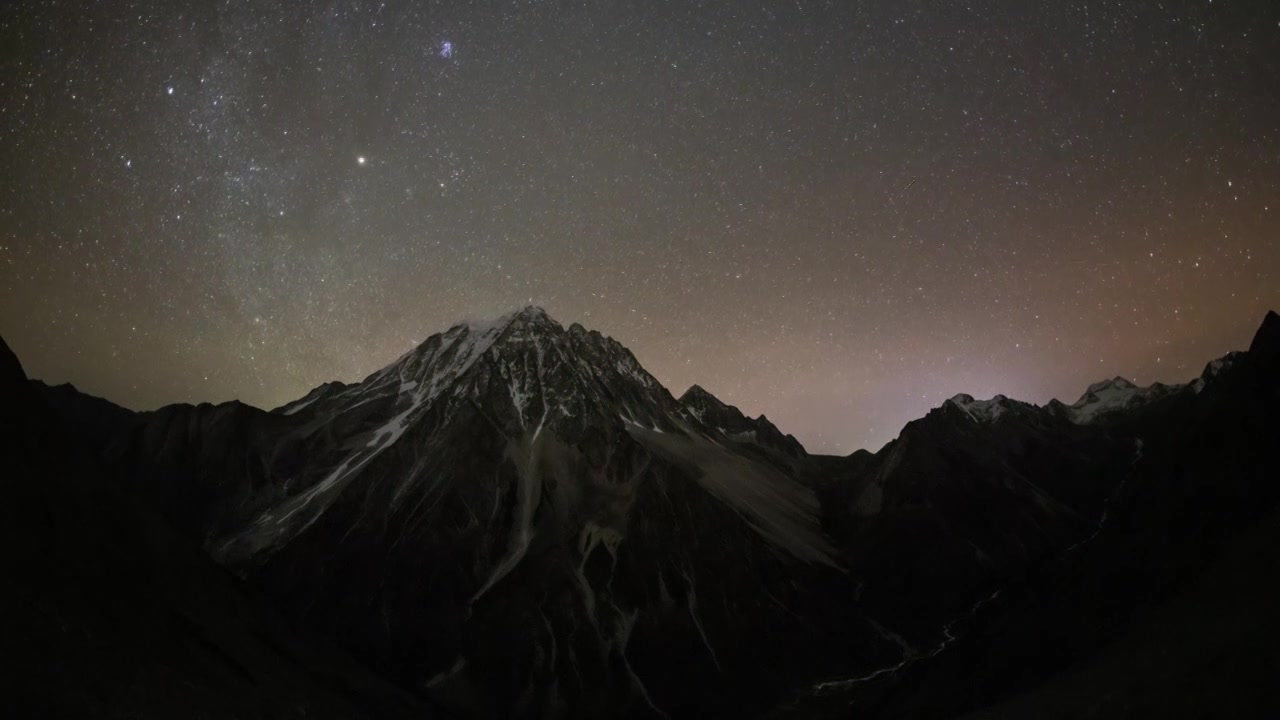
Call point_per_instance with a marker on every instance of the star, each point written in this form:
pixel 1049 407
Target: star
pixel 657 164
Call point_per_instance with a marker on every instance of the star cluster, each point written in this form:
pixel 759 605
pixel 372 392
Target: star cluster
pixel 836 213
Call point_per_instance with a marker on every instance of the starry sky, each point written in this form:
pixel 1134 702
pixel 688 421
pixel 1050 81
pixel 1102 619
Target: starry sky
pixel 835 213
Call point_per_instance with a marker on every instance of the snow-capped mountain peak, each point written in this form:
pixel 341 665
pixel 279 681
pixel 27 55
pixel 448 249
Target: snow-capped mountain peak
pixel 982 410
pixel 1108 396
pixel 525 381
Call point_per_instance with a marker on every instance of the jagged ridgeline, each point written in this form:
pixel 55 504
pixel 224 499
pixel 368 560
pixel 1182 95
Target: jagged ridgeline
pixel 515 519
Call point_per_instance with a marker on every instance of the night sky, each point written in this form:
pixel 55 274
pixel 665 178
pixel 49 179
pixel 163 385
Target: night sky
pixel 838 214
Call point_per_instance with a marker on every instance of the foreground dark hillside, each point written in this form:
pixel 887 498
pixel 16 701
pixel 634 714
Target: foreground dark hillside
pixel 1164 609
pixel 112 613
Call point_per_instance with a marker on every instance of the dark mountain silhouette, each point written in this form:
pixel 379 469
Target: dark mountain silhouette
pixel 516 519
pixel 112 613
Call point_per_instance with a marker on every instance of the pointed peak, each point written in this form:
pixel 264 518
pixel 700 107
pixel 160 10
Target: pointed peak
pixel 700 403
pixel 1115 383
pixel 964 399
pixel 528 312
pixel 10 367
pixel 529 315
pixel 1109 396
pixel 1266 341
pixel 712 412
pixel 697 393
pixel 533 312
pixel 983 410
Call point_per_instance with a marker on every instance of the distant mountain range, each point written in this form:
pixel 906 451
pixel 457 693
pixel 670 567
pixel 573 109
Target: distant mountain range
pixel 515 519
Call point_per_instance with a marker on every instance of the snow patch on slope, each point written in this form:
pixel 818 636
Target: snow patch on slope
pixel 981 411
pixel 1116 394
pixel 298 405
pixel 528 498
pixel 1109 396
pixel 295 514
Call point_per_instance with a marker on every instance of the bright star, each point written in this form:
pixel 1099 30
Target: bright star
pixel 360 160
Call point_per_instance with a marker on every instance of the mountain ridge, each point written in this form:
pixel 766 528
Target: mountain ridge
pixel 1103 395
pixel 534 315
